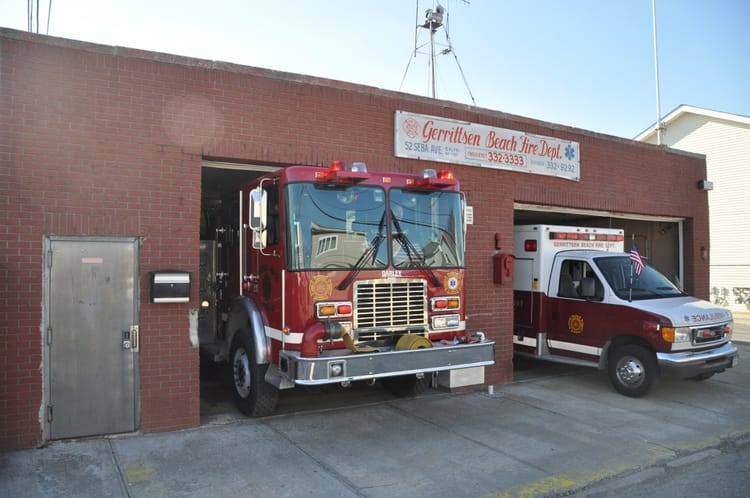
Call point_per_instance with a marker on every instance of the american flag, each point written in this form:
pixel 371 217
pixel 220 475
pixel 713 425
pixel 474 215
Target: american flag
pixel 635 257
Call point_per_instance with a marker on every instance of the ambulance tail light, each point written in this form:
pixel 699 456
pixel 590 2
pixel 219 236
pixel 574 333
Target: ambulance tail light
pixel 529 245
pixel 675 334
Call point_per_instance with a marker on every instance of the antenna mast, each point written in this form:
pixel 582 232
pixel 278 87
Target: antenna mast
pixel 432 22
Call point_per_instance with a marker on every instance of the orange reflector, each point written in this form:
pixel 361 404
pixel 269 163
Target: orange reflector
pixel 667 333
pixel 327 310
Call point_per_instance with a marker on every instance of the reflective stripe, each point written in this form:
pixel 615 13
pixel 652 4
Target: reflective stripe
pixel 278 335
pixel 566 346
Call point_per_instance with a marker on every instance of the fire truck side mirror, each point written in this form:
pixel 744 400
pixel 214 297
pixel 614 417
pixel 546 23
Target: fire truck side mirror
pixel 258 217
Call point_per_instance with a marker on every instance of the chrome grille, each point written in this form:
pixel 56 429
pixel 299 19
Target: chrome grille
pixel 389 306
pixel 708 334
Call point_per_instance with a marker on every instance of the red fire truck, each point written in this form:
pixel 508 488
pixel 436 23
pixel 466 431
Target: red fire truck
pixel 335 275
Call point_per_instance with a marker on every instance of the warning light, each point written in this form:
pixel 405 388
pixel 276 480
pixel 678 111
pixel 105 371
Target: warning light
pixel 440 179
pixel 338 173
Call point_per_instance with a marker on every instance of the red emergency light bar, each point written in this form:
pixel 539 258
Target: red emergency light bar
pixel 337 172
pixel 586 236
pixel 439 179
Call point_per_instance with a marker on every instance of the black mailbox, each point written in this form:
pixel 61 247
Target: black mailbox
pixel 170 286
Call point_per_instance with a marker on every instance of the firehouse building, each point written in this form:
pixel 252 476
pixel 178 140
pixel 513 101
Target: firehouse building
pixel 113 154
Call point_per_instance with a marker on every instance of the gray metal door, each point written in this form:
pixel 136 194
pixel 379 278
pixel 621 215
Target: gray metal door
pixel 92 336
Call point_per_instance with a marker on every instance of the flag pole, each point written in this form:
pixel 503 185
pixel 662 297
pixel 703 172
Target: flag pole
pixel 630 294
pixel 659 127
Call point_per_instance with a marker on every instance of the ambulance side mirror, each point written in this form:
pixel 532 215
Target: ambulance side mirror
pixel 258 217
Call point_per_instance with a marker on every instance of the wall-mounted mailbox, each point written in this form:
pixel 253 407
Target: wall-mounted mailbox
pixel 170 286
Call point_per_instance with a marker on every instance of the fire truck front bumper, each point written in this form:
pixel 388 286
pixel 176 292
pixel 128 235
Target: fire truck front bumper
pixel 344 366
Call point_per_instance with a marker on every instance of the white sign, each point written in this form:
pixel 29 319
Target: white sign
pixel 430 138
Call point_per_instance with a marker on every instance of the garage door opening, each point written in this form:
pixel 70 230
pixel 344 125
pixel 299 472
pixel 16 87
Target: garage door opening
pixel 659 239
pixel 221 183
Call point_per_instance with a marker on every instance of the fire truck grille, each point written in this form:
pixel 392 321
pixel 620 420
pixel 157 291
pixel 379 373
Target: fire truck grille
pixel 382 307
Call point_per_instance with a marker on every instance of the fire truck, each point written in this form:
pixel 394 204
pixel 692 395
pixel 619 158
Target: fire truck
pixel 332 275
pixel 579 299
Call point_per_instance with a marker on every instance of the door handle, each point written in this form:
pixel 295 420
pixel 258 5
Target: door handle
pixel 130 338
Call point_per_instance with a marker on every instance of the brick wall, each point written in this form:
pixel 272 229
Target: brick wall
pixel 109 141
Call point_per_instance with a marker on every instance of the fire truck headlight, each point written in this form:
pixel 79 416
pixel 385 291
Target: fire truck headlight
pixel 336 369
pixel 445 322
pixel 675 334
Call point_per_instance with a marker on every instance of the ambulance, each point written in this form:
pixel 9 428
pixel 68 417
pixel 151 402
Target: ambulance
pixel 579 298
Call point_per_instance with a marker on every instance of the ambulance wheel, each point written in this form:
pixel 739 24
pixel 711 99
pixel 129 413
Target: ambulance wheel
pixel 253 395
pixel 632 370
pixel 405 386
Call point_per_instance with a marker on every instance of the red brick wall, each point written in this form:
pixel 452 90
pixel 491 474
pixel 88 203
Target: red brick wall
pixel 108 141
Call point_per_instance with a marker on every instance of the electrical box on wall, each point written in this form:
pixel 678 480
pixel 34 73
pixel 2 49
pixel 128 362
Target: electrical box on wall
pixel 170 286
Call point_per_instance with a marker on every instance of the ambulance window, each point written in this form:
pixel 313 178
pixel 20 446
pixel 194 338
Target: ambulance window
pixel 572 273
pixel 570 278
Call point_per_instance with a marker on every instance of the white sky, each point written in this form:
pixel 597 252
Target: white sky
pixel 584 63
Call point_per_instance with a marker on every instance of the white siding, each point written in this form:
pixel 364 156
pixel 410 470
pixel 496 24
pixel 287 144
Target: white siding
pixel 726 145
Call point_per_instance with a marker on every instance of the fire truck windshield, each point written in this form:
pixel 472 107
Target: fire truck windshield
pixel 427 229
pixel 342 226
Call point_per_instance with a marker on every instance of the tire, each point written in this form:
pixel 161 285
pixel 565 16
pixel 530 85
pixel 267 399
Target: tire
pixel 252 394
pixel 405 386
pixel 632 370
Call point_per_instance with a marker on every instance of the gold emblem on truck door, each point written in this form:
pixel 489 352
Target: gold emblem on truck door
pixel 575 324
pixel 320 287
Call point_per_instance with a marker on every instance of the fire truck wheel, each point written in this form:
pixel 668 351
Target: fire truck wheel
pixel 253 395
pixel 405 386
pixel 632 370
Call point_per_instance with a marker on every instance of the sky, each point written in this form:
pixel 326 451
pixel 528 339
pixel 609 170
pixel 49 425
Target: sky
pixel 582 63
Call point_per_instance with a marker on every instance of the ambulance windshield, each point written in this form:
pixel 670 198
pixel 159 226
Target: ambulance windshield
pixel 622 277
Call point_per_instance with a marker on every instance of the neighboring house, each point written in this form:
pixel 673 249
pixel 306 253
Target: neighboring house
pixel 725 141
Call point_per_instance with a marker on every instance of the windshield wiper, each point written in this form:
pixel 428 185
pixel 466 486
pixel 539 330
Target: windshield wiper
pixel 372 250
pixel 412 253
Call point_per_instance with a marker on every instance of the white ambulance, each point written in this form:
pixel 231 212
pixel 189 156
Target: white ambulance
pixel 580 299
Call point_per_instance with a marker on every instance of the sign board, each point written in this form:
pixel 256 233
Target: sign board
pixel 430 138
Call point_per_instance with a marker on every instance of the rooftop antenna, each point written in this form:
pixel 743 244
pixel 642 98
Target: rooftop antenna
pixel 433 21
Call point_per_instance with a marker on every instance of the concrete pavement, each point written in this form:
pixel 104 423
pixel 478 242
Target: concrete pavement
pixel 558 431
